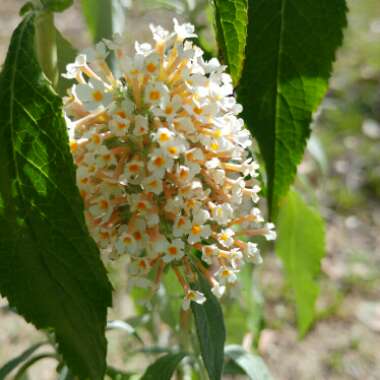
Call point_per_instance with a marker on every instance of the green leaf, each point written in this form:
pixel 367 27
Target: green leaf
pixel 50 268
pixel 211 332
pixel 56 5
pixel 164 367
pixel 301 247
pixel 231 18
pixel 66 54
pixel 290 50
pixel 251 364
pixel 8 367
pixel 98 15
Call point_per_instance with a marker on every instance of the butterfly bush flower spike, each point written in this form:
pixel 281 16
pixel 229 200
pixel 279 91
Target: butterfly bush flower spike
pixel 163 164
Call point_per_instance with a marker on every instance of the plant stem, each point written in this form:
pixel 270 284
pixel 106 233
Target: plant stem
pixel 46 46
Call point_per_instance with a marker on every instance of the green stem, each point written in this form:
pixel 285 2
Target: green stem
pixel 46 45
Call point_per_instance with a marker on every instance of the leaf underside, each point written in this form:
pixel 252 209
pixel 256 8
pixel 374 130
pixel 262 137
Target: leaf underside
pixel 231 18
pixel 50 269
pixel 301 247
pixel 290 49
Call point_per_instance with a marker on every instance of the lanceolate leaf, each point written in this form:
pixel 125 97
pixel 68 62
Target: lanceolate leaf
pixel 50 268
pixel 98 15
pixel 164 367
pixel 300 245
pixel 290 50
pixel 211 332
pixel 231 17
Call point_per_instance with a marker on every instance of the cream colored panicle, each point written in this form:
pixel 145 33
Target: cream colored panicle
pixel 163 164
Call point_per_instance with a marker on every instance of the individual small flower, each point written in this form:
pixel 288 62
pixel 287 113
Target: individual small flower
pixel 174 251
pixel 222 213
pixel 226 275
pixel 159 163
pixel 163 164
pixel 93 94
pixel 193 296
pixel 218 290
pixel 270 233
pixel 253 253
pixel 226 237
pixel 199 229
pixel 209 252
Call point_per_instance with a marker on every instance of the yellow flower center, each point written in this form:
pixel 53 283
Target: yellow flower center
pixel 97 96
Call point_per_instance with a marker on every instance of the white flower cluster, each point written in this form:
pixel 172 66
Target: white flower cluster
pixel 162 161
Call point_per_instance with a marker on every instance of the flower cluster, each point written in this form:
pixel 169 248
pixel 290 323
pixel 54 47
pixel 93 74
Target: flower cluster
pixel 162 161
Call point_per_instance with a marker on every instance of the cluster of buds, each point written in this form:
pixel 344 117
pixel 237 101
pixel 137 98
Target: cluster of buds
pixel 163 164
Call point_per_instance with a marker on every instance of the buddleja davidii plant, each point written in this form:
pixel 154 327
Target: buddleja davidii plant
pixel 163 170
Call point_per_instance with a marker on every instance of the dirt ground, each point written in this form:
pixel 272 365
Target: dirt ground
pixel 345 342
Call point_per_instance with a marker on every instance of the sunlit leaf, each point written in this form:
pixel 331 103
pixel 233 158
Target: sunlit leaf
pixel 290 50
pixel 231 17
pixel 50 269
pixel 301 247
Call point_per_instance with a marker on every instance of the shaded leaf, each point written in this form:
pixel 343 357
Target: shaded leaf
pixel 164 367
pixel 301 247
pixel 50 268
pixel 251 364
pixel 66 54
pixel 290 50
pixel 210 328
pixel 98 16
pixel 231 17
pixel 8 367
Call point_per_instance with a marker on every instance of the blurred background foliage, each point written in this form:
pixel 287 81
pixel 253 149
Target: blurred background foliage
pixel 340 172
